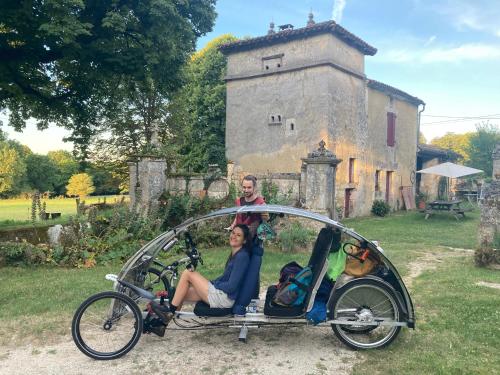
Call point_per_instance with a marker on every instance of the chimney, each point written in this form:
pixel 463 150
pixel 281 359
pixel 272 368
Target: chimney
pixel 310 21
pixel 271 28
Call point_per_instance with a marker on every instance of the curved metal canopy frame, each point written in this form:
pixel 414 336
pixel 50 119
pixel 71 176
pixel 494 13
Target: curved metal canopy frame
pixel 143 257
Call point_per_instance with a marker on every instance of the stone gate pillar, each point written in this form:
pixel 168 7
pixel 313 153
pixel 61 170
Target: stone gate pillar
pixel 147 183
pixel 319 186
pixel 489 227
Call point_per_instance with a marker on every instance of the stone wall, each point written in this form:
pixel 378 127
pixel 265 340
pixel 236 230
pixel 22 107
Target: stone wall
pixel 147 183
pixel 489 227
pixel 429 183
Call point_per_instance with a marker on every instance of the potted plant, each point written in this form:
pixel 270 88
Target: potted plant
pixel 421 199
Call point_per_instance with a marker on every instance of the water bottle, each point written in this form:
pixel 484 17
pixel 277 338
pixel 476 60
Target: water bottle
pixel 252 307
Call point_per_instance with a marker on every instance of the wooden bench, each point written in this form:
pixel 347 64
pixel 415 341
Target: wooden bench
pixel 50 215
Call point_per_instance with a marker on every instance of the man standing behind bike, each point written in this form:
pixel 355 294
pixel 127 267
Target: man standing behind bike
pixel 249 198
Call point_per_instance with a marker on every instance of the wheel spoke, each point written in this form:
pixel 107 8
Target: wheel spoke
pixel 107 326
pixel 373 302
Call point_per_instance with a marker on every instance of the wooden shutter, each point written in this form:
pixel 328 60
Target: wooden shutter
pixel 391 129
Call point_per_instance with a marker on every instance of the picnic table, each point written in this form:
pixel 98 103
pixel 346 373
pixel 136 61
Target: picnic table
pixel 452 207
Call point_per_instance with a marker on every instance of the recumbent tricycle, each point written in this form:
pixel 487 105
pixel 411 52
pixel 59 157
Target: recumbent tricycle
pixel 364 312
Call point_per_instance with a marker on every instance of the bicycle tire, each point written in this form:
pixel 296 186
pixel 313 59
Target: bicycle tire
pixel 377 302
pixel 122 308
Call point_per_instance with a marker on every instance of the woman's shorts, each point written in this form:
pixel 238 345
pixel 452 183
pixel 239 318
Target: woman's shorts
pixel 218 299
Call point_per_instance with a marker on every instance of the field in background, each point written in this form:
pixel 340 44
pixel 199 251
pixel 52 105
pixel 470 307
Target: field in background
pixel 16 212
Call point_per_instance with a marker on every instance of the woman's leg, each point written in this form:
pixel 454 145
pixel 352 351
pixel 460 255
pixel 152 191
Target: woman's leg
pixel 192 286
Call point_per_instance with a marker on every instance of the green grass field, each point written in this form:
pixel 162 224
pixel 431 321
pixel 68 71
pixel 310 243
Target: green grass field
pixel 17 212
pixel 457 329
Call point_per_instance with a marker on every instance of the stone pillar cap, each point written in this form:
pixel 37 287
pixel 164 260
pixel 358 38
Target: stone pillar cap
pixel 321 156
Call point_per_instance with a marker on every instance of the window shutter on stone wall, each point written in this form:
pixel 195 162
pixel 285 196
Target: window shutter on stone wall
pixel 391 129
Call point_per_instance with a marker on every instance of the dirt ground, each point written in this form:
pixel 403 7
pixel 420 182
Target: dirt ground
pixel 269 350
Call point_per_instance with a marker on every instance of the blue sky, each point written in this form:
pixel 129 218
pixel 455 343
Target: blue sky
pixel 446 52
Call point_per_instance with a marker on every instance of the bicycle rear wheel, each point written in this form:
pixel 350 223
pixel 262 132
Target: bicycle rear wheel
pixel 365 301
pixel 107 325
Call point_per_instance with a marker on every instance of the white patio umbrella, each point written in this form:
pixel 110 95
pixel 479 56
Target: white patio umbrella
pixel 450 170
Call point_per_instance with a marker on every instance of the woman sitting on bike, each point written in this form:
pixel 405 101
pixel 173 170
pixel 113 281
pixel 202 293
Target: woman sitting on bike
pixel 218 293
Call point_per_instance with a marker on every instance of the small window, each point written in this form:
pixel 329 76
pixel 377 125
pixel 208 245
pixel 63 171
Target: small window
pixel 291 126
pixel 391 129
pixel 275 119
pixel 377 180
pixel 273 62
pixel 351 170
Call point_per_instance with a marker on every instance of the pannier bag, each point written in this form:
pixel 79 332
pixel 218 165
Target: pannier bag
pixel 293 291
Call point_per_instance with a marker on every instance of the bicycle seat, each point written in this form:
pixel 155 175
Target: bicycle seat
pixel 203 309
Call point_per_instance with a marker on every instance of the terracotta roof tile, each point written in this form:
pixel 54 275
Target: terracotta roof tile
pixel 394 91
pixel 304 32
pixel 431 150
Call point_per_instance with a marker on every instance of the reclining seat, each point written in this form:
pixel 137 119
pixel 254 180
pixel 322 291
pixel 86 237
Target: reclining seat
pixel 318 264
pixel 249 288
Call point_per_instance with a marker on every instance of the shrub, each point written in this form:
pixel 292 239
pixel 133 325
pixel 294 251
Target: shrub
pixel 486 256
pixel 21 254
pixel 272 195
pixel 380 208
pixel 295 235
pixel 177 208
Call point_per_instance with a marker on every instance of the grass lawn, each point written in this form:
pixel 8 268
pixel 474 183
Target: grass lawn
pixel 457 321
pixel 15 213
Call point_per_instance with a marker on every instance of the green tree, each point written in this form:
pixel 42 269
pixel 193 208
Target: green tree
pixel 71 61
pixel 458 143
pixel 104 180
pixel 81 185
pixel 421 138
pixel 66 167
pixel 12 171
pixel 41 172
pixel 482 145
pixel 198 111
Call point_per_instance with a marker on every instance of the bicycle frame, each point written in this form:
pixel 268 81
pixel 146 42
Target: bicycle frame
pixel 146 255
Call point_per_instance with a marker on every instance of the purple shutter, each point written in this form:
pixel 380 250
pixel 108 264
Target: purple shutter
pixel 391 129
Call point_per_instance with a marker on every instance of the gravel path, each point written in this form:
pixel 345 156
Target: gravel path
pixel 269 350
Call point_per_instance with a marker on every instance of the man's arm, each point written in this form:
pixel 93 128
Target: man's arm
pixel 265 215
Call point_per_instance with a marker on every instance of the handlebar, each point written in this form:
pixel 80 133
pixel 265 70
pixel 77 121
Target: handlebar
pixel 192 252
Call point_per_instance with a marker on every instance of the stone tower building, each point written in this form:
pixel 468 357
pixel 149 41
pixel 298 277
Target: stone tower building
pixel 290 89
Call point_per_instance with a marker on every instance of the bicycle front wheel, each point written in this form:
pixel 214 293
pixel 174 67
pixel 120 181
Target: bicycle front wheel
pixel 107 325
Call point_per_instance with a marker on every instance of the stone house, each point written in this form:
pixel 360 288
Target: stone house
pixel 429 156
pixel 290 89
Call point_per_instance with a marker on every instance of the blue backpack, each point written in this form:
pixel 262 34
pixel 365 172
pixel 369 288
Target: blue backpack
pixel 293 290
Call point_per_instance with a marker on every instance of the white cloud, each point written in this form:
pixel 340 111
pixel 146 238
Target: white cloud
pixel 465 52
pixel 338 9
pixel 479 15
pixel 430 41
